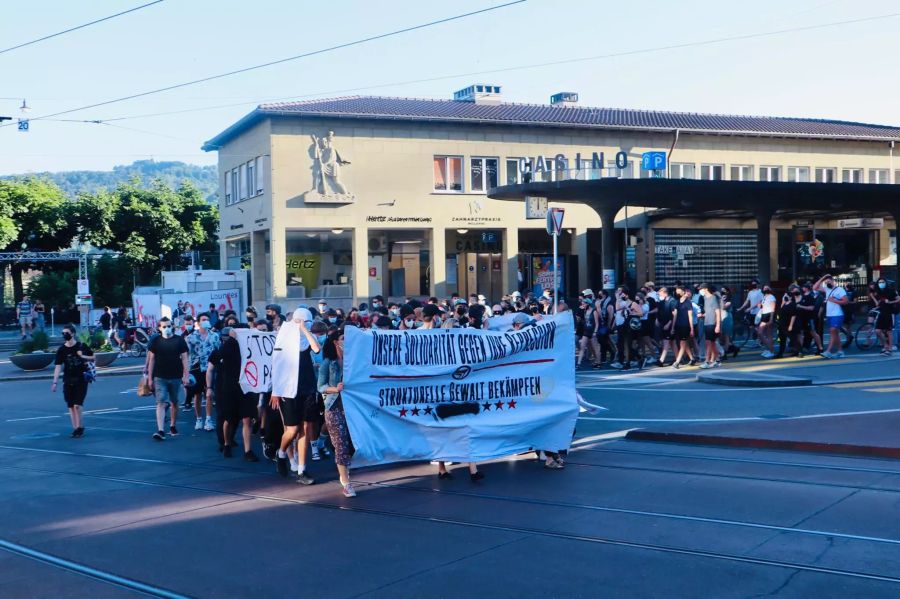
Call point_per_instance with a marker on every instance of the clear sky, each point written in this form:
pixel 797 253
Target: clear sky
pixel 847 72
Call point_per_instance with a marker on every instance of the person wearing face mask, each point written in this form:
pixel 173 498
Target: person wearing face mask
pixel 71 359
pixel 364 315
pixel 331 317
pixel 806 318
pixel 835 298
pixel 788 328
pixel 751 306
pixel 272 310
pixel 353 318
pixel 168 373
pixel 201 343
pixel 767 322
pixel 250 313
pixel 888 301
pixel 407 318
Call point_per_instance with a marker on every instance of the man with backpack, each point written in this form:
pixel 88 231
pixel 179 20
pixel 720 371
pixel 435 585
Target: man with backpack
pixel 72 359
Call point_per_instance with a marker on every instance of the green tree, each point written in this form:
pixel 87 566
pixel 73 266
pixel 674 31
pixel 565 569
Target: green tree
pixel 149 226
pixel 56 289
pixel 41 215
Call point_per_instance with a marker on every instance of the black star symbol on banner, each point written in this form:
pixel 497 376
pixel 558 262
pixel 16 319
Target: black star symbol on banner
pixel 499 405
pixel 415 411
pixel 403 413
pixel 487 406
pixel 428 410
pixel 511 403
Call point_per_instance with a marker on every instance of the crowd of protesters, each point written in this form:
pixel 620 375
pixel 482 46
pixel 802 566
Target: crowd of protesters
pixel 194 362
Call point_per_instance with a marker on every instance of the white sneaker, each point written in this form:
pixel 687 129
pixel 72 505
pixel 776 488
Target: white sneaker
pixel 840 354
pixel 616 365
pixel 198 426
pixel 349 491
pixel 705 365
pixel 295 465
pixel 210 425
pixel 827 354
pixel 315 453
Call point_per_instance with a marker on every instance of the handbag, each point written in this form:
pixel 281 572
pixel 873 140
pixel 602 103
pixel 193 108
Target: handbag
pixel 758 318
pixel 634 323
pixel 90 372
pixel 143 388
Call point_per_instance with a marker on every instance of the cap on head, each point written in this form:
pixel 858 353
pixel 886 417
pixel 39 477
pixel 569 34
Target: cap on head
pixel 521 318
pixel 302 315
pixel 588 293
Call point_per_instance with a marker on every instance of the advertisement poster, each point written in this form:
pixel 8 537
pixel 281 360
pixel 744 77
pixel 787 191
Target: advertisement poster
pixel 460 395
pixel 303 269
pixel 812 253
pixel 542 273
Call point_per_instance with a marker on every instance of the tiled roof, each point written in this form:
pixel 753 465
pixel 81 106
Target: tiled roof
pixel 411 109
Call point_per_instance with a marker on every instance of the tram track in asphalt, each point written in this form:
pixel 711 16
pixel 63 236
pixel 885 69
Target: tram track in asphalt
pixel 596 539
pixel 492 497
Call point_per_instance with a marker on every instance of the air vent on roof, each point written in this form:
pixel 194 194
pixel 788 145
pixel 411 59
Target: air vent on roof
pixel 564 99
pixel 479 93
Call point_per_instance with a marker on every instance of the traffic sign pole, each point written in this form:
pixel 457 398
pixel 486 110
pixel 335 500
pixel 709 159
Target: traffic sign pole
pixel 555 270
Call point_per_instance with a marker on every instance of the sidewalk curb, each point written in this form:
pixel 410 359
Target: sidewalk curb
pixel 744 442
pixel 49 375
pixel 757 379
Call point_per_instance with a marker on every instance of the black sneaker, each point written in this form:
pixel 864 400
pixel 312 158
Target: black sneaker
pixel 304 479
pixel 283 465
pixel 269 452
pixel 173 432
pixel 188 407
pixel 159 436
pixel 227 451
pixel 80 431
pixel 249 456
pixel 74 434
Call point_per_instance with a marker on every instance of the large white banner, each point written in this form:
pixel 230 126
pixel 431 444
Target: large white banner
pixel 459 395
pixel 256 360
pixel 150 307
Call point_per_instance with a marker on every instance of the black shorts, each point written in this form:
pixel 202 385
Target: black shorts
pixel 710 332
pixel 682 333
pixel 200 385
pixel 75 392
pixel 885 321
pixel 244 407
pixel 295 410
pixel 665 331
pixel 766 318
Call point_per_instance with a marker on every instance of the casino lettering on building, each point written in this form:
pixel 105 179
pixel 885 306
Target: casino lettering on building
pixel 352 197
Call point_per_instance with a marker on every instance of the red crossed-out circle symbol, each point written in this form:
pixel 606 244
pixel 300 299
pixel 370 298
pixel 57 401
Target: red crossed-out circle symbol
pixel 252 373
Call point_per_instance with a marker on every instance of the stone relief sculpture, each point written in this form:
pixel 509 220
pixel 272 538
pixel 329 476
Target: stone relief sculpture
pixel 327 186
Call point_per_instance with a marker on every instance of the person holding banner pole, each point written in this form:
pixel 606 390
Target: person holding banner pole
pixel 294 389
pixel 331 384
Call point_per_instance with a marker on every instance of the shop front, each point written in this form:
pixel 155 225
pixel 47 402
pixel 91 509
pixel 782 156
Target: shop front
pixel 319 264
pixel 474 262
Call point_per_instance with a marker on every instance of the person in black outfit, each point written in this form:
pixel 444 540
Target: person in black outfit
pixel 105 322
pixel 71 359
pixel 788 325
pixel 888 301
pixel 233 405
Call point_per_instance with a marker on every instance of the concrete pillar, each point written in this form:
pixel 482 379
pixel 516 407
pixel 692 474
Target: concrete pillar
pixel 360 265
pixel 763 244
pixel 510 267
pixel 580 249
pixel 278 251
pixel 607 242
pixel 438 254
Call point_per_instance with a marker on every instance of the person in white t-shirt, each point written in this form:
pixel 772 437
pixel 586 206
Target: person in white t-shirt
pixel 767 322
pixel 835 299
pixel 752 306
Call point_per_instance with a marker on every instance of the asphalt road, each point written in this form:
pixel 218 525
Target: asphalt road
pixel 122 514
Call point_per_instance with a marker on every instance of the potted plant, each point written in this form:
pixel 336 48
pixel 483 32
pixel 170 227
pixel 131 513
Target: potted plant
pixel 104 353
pixel 33 354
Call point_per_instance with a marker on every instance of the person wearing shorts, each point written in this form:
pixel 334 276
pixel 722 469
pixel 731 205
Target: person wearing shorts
pixel 168 374
pixel 888 300
pixel 712 322
pixel 682 317
pixel 232 404
pixel 296 398
pixel 71 359
pixel 835 298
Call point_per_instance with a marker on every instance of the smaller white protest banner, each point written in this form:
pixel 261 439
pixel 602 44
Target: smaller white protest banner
pixel 256 360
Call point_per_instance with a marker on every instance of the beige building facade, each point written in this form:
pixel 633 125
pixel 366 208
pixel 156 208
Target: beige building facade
pixel 349 198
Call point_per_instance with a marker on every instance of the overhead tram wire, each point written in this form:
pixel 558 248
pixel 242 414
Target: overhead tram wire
pixel 82 26
pixel 518 67
pixel 284 60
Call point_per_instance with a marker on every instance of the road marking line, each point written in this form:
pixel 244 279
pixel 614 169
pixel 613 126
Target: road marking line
pixel 883 390
pixel 32 418
pixel 864 384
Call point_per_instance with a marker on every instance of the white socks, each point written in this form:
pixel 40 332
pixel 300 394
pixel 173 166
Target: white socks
pixel 282 454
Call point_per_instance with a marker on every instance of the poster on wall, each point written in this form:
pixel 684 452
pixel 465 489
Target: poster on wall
pixel 303 269
pixel 812 253
pixel 542 273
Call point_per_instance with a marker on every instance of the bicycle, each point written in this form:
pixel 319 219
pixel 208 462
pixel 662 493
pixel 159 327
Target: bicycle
pixel 137 342
pixel 866 335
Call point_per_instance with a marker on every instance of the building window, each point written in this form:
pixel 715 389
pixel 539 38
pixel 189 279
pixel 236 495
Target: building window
pixel 513 176
pixel 251 178
pixel 852 175
pixel 682 170
pixel 483 174
pixel 896 177
pixel 879 175
pixel 770 173
pixel 798 174
pixel 228 198
pixel 235 185
pixel 712 172
pixel 826 175
pixel 242 182
pixel 741 173
pixel 620 173
pixel 259 175
pixel 448 173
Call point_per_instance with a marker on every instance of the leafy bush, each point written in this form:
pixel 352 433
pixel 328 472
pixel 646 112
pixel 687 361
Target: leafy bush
pixel 39 341
pixel 97 342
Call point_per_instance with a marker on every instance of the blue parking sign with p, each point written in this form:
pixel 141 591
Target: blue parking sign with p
pixel 653 161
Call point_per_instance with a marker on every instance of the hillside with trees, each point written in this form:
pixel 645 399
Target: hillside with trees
pixel 173 173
